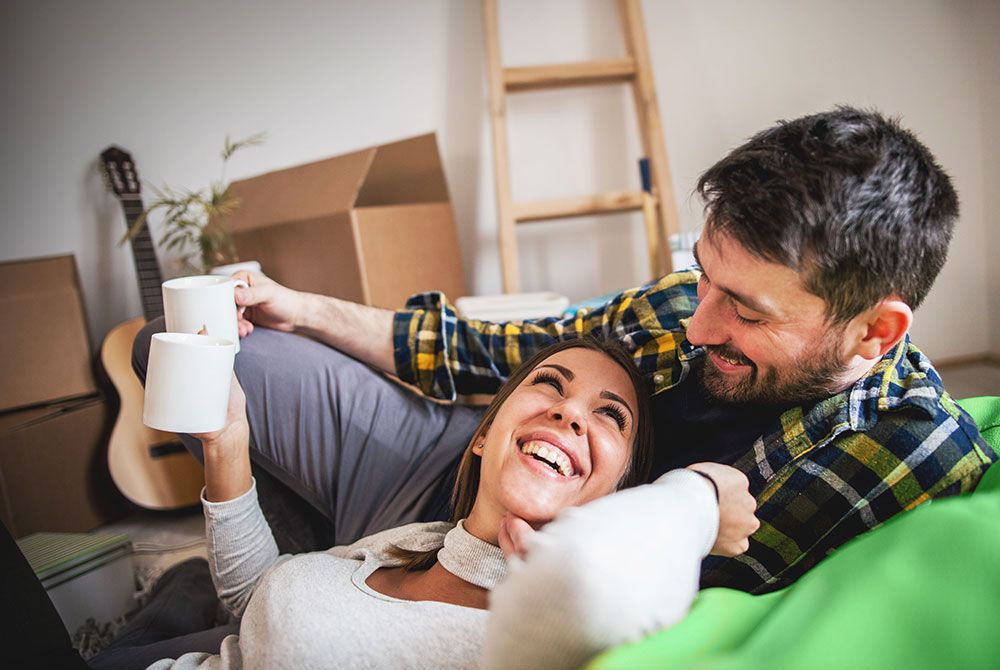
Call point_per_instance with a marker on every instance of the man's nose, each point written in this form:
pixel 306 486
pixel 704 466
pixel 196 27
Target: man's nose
pixel 707 326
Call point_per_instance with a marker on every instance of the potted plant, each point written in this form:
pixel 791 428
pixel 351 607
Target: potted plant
pixel 191 218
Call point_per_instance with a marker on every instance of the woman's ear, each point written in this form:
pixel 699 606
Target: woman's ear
pixel 479 442
pixel 880 328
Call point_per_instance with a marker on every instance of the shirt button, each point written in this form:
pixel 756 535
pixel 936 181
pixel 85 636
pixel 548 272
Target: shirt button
pixel 657 378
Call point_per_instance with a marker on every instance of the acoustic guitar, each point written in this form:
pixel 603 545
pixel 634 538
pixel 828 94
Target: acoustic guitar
pixel 150 467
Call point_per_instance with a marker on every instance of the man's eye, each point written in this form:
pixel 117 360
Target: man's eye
pixel 551 380
pixel 747 322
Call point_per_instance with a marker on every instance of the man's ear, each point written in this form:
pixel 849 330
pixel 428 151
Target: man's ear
pixel 880 328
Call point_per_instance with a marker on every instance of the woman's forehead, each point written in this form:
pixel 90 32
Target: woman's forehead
pixel 590 366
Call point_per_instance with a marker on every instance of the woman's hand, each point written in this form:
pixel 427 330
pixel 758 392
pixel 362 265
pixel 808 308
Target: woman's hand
pixel 236 432
pixel 514 535
pixel 736 508
pixel 227 451
pixel 266 303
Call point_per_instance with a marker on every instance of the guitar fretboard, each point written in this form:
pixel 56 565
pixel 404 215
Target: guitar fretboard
pixel 144 254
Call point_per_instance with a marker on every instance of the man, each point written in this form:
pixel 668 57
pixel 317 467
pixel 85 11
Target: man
pixel 786 355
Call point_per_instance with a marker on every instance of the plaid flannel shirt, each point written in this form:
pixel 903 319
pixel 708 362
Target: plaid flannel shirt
pixel 824 473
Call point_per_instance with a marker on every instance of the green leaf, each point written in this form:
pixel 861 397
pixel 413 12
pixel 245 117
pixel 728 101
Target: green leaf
pixel 229 148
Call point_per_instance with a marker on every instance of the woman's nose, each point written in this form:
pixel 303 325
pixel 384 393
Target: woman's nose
pixel 565 414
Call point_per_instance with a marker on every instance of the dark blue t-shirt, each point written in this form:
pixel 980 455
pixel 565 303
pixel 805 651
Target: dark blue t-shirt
pixel 690 427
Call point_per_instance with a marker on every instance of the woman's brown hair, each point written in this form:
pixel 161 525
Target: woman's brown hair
pixel 467 479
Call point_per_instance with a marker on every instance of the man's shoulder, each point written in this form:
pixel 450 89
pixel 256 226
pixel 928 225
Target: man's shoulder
pixel 663 304
pixel 902 406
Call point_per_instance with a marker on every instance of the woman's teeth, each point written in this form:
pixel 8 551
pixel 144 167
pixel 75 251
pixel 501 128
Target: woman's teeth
pixel 555 458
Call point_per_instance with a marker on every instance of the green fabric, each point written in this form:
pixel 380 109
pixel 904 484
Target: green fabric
pixel 986 412
pixel 921 591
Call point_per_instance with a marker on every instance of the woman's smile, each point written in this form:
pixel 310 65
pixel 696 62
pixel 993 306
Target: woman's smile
pixel 554 454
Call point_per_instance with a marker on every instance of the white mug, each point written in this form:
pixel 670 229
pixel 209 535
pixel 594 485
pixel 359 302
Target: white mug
pixel 187 382
pixel 193 303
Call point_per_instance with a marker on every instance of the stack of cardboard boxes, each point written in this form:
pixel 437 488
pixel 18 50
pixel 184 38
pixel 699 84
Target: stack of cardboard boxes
pixel 53 421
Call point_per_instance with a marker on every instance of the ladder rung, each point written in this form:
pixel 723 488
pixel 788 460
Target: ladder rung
pixel 568 74
pixel 563 208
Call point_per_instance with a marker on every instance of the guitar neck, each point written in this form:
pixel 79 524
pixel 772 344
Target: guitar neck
pixel 144 254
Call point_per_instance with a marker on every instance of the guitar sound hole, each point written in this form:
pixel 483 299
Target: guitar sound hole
pixel 166 449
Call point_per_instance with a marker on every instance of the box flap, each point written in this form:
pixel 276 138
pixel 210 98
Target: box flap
pixel 404 172
pixel 408 171
pixel 298 193
pixel 44 330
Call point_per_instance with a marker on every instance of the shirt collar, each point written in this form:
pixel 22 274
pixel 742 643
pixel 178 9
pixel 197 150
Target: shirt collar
pixel 471 559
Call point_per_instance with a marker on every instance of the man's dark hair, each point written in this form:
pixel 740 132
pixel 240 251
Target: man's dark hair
pixel 847 197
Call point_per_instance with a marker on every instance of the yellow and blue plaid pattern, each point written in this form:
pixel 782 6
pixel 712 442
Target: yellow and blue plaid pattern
pixel 825 473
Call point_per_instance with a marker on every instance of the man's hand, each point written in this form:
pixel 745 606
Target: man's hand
pixel 360 331
pixel 736 508
pixel 266 303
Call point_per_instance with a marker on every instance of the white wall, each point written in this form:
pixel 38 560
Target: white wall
pixel 987 17
pixel 168 80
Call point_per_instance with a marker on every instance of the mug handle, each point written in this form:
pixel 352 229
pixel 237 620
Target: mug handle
pixel 240 282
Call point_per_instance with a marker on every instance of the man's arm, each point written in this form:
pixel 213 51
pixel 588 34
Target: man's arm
pixel 446 356
pixel 429 346
pixel 360 331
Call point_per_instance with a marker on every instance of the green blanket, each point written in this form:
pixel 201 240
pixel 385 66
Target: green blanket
pixel 922 591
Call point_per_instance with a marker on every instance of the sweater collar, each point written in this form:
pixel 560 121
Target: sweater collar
pixel 471 559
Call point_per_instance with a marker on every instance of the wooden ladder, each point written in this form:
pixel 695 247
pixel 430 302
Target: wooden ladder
pixel 656 200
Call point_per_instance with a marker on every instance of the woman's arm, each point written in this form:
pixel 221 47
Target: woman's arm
pixel 603 574
pixel 240 545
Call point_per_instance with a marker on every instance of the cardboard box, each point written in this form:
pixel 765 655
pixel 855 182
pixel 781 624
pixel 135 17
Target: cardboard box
pixel 53 469
pixel 44 332
pixel 373 226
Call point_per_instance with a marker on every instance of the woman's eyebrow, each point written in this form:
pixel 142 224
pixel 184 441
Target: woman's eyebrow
pixel 608 395
pixel 564 371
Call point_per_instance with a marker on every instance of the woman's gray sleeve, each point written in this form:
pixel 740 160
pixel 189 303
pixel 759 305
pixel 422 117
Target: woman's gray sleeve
pixel 240 547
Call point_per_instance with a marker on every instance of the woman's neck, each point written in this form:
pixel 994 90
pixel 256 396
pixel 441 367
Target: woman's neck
pixel 466 569
pixel 434 584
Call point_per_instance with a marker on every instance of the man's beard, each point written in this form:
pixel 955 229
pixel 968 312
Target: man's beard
pixel 817 377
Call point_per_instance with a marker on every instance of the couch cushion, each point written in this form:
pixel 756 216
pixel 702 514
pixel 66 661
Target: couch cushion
pixel 986 412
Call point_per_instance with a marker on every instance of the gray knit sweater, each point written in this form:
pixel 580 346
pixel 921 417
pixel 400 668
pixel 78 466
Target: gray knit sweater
pixel 602 574
pixel 316 610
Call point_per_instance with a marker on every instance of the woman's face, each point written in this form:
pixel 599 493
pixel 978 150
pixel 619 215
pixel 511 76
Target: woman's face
pixel 563 437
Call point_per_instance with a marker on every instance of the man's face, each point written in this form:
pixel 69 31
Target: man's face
pixel 766 337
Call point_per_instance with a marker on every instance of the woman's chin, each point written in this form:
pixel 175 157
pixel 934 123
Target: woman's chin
pixel 537 515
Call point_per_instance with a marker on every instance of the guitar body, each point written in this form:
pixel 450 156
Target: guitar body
pixel 150 467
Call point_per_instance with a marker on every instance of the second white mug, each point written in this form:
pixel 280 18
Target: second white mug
pixel 187 382
pixel 207 302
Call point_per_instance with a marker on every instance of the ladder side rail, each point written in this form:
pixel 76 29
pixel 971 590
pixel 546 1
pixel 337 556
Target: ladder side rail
pixel 651 129
pixel 501 167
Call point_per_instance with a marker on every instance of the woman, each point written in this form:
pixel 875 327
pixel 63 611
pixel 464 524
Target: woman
pixel 570 426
